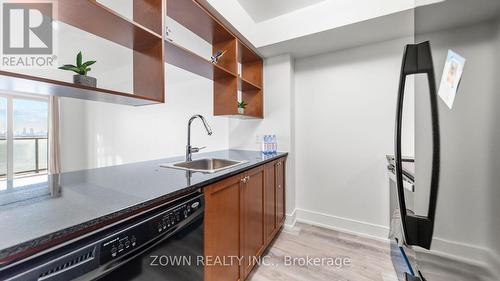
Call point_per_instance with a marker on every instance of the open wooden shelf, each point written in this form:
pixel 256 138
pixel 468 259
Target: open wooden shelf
pixel 143 35
pixel 244 116
pixel 95 18
pixel 246 55
pixel 250 81
pixel 195 18
pixel 244 85
pixel 255 101
pixel 188 60
pixel 30 84
pixel 251 65
pixel 149 14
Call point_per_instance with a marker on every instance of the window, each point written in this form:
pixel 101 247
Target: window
pixel 23 136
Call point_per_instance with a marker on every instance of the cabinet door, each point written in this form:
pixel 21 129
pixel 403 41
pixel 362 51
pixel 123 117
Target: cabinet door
pixel 280 192
pixel 252 217
pixel 222 228
pixel 270 222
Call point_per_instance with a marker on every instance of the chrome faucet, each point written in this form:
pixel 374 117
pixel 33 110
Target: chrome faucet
pixel 190 150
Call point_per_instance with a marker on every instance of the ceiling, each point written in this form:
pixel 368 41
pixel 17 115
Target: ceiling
pixel 331 25
pixel 424 19
pixel 261 10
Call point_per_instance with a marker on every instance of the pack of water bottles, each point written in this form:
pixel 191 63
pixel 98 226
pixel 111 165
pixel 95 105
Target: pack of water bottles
pixel 269 144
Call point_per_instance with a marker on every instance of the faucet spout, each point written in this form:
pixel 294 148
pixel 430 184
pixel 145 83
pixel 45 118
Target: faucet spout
pixel 189 149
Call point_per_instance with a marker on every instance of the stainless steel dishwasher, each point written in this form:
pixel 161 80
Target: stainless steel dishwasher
pixel 162 244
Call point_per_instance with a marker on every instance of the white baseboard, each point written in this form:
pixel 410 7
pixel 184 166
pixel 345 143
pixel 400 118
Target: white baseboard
pixel 468 254
pixel 458 256
pixel 493 262
pixel 355 227
pixel 461 252
pixel 291 219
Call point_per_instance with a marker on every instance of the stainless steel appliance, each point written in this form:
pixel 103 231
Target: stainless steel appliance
pixel 445 219
pixel 163 244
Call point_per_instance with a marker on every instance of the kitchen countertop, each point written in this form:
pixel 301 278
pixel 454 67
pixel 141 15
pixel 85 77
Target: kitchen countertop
pixel 40 212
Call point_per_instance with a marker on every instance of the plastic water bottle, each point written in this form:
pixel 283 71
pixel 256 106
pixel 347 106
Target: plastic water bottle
pixel 275 144
pixel 264 145
pixel 269 145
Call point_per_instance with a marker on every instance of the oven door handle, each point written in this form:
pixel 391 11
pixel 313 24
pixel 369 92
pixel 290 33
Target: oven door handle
pixel 418 230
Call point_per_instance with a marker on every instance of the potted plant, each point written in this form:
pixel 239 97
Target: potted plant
pixel 241 107
pixel 81 69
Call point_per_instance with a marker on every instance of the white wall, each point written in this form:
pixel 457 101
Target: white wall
pixel 468 167
pixel 467 213
pixel 278 120
pixel 494 238
pixel 345 109
pixel 95 134
pixel 345 105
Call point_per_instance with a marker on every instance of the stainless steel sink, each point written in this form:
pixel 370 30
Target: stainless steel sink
pixel 205 165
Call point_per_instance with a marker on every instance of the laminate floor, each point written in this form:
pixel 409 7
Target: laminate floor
pixel 333 256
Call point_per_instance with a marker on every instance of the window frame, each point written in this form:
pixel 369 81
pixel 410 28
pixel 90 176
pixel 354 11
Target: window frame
pixel 10 129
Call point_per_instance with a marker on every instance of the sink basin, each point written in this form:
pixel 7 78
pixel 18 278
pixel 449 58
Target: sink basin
pixel 205 165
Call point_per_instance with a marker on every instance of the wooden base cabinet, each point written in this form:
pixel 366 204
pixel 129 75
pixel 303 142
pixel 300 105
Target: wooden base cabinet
pixel 274 197
pixel 243 214
pixel 280 191
pixel 252 219
pixel 270 222
pixel 222 228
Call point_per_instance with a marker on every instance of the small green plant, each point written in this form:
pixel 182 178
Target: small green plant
pixel 80 68
pixel 242 104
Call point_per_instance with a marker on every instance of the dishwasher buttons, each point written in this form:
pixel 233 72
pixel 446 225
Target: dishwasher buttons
pixel 113 251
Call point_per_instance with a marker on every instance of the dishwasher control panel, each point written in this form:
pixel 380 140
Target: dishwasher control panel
pixel 149 229
pixel 169 220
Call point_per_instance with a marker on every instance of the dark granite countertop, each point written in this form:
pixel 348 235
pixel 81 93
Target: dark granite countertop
pixel 40 212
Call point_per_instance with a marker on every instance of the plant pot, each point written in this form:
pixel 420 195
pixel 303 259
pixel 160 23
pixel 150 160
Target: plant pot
pixel 85 80
pixel 241 110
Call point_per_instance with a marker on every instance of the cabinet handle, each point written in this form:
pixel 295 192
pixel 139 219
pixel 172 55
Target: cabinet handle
pixel 245 179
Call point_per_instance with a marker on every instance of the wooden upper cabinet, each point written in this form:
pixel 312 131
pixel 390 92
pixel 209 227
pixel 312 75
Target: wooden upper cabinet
pixel 142 34
pixel 222 227
pixel 252 218
pixel 196 18
pixel 251 81
pixel 227 79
